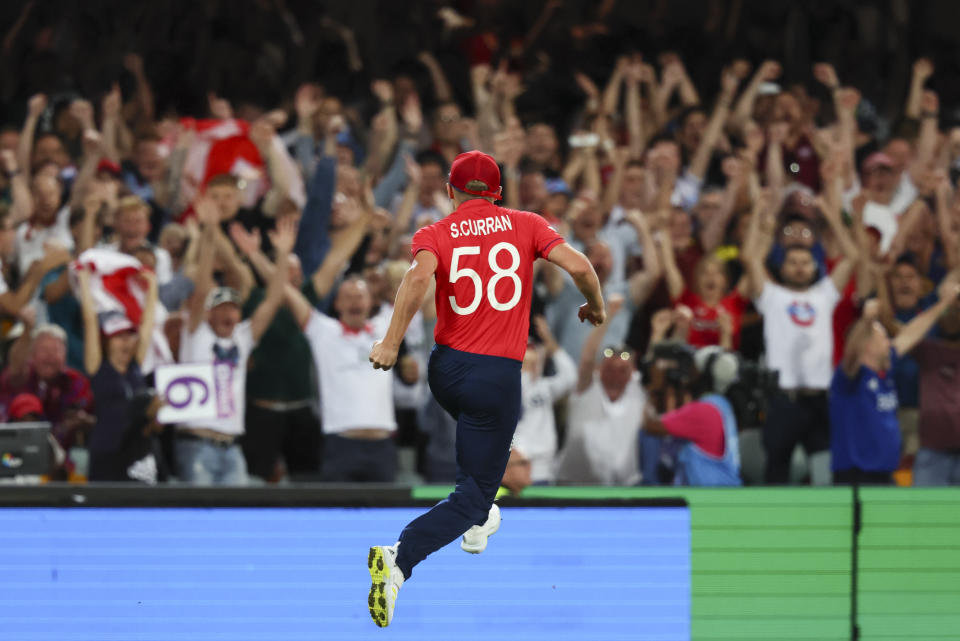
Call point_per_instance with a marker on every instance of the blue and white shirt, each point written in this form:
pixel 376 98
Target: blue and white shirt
pixel 864 430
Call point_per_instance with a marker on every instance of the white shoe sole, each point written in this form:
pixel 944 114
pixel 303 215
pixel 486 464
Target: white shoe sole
pixel 474 540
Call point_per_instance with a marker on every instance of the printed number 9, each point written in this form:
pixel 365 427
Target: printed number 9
pixel 187 382
pixel 511 272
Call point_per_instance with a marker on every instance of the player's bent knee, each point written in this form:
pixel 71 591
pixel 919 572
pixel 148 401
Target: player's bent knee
pixel 471 499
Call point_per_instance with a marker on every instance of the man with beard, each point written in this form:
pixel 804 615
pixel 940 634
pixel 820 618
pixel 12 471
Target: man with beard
pixel 798 340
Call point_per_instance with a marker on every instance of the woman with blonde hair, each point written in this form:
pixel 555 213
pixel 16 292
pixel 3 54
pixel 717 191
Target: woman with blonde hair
pixel 716 312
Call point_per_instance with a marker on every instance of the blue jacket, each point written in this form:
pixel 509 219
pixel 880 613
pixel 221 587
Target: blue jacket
pixel 696 467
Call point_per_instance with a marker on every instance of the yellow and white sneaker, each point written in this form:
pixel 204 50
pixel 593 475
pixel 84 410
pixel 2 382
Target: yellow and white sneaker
pixel 386 579
pixel 475 539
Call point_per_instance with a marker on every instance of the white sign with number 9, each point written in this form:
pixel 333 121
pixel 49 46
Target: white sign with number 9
pixel 456 273
pixel 189 391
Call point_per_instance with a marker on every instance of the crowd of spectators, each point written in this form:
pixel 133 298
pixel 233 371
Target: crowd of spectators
pixel 263 166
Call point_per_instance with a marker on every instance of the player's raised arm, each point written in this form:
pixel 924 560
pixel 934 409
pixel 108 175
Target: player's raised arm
pixel 410 295
pixel 584 277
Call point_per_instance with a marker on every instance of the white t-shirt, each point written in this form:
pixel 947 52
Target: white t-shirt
pixel 885 218
pixel 353 395
pixel 536 434
pixel 31 239
pixel 198 347
pixel 601 446
pixel 798 333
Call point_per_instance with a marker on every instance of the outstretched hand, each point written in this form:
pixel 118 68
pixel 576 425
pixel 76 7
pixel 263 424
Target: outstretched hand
pixel 207 211
pixel 826 75
pixel 92 142
pixel 112 102
pixel 219 107
pixel 246 241
pixel 261 134
pixel 725 322
pixel 849 98
pixel 82 112
pixel 36 105
pixel 614 303
pixel 413 171
pixel 284 237
pixel 411 113
pixel 871 310
pixel 949 288
pixel 923 69
pixel 55 256
pixel 769 70
pixel 383 90
pixel 307 101
pixel 8 161
pixel 542 328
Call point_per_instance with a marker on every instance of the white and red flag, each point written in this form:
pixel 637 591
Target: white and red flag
pixel 222 146
pixel 115 286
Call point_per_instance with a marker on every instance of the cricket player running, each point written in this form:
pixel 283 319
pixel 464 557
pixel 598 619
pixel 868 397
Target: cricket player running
pixel 482 256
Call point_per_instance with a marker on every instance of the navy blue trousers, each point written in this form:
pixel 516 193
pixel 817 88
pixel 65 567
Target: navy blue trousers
pixel 483 394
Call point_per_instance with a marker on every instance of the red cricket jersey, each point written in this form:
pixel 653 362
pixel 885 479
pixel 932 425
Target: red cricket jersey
pixel 485 258
pixel 705 327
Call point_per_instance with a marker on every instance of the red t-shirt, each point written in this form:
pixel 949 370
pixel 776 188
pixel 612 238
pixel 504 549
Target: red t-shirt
pixel 705 328
pixel 698 422
pixel 485 258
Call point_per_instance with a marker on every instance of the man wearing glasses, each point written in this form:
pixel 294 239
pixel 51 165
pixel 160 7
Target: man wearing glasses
pixel 605 415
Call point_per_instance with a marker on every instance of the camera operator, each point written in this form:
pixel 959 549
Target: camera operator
pixel 703 445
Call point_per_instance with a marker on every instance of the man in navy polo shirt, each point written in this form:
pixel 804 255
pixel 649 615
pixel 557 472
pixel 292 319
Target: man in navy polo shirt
pixel 865 434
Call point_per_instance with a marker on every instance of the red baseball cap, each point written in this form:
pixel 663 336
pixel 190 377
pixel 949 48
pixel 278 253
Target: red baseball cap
pixel 110 167
pixel 23 404
pixel 476 165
